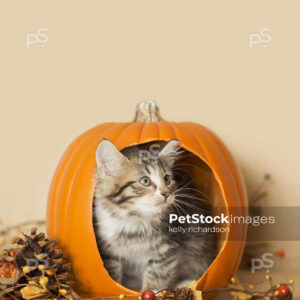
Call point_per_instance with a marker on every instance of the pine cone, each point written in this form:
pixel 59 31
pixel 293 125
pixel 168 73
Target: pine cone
pixel 36 268
pixel 184 293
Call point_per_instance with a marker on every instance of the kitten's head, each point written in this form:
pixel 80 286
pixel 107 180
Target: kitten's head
pixel 134 183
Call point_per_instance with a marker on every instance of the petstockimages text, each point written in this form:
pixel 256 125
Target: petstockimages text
pixel 221 219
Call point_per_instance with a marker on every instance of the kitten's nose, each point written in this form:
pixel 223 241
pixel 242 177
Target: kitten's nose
pixel 165 194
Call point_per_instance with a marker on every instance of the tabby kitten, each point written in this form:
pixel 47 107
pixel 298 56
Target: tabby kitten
pixel 132 202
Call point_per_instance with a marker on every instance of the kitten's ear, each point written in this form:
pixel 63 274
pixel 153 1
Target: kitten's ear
pixel 170 151
pixel 109 158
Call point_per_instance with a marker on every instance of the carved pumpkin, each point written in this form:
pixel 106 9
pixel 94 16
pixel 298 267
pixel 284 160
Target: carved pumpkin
pixel 70 215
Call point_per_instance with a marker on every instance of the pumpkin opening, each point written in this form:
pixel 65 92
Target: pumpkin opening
pixel 201 178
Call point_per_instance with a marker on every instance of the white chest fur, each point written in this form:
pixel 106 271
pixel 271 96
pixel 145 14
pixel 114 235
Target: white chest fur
pixel 117 231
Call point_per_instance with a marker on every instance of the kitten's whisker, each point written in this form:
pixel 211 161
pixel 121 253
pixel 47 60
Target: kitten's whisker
pixel 189 182
pixel 194 207
pixel 184 183
pixel 191 165
pixel 191 197
pixel 179 169
pixel 197 209
pixel 181 208
pixel 182 170
pixel 184 173
pixel 178 174
pixel 184 156
pixel 183 186
pixel 188 204
pixel 184 201
pixel 177 207
pixel 196 190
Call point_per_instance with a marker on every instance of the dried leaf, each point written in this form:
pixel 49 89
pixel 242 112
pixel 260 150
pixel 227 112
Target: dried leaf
pixel 31 292
pixel 197 294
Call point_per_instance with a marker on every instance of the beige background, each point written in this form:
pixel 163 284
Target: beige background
pixel 192 57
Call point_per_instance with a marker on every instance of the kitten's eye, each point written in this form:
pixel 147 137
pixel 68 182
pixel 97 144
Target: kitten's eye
pixel 145 181
pixel 167 179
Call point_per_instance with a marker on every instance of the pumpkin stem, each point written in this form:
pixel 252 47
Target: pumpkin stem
pixel 147 112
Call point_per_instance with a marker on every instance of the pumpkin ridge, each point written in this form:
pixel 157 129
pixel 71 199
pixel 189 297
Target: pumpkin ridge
pixel 240 187
pixel 126 135
pixel 149 133
pixel 158 130
pixel 190 132
pixel 231 161
pixel 66 157
pixel 107 135
pixel 173 130
pixel 155 125
pixel 163 126
pixel 140 133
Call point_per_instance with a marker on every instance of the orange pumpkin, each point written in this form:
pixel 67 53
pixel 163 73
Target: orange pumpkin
pixel 69 214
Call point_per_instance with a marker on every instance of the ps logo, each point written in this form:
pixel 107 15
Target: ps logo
pixel 40 38
pixel 263 37
pixel 265 262
pixel 150 154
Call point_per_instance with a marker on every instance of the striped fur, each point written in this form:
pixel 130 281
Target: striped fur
pixel 131 220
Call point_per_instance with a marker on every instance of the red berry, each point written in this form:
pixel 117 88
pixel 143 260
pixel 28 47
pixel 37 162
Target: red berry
pixel 281 253
pixel 284 291
pixel 248 261
pixel 8 270
pixel 148 295
pixel 12 253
